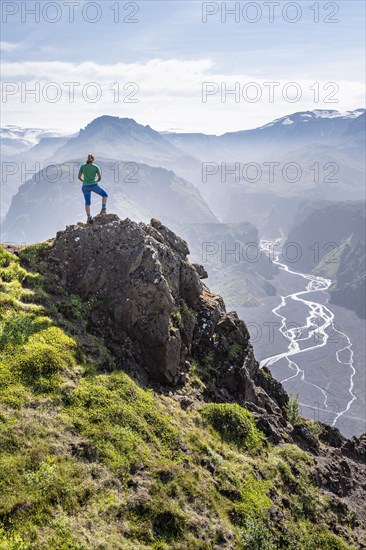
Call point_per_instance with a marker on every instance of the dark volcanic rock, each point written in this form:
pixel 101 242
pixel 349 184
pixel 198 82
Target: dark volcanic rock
pixel 331 436
pixel 305 439
pixel 262 377
pixel 135 274
pixel 337 477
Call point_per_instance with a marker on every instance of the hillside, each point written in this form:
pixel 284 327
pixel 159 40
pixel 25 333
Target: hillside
pixel 52 198
pixel 134 415
pixel 332 241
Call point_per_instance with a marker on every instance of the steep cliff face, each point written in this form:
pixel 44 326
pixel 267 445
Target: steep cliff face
pixel 331 239
pixel 134 414
pixel 350 286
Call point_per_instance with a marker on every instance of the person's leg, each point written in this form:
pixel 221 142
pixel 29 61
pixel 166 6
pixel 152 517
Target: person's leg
pixel 87 196
pixel 100 191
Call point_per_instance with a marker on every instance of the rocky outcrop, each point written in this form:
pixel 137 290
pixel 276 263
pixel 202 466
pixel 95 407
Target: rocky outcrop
pixel 150 304
pixel 135 274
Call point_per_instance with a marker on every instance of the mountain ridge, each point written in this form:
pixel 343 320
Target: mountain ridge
pixel 35 134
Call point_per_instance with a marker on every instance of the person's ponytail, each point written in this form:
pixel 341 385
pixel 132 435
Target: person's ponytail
pixel 90 159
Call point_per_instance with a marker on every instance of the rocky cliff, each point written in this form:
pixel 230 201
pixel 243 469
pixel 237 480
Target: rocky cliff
pixel 134 413
pixel 151 306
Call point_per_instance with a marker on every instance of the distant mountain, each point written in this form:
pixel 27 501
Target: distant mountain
pixel 350 286
pixel 207 148
pixel 53 199
pixel 353 141
pixel 302 127
pixel 123 138
pixel 326 149
pixel 295 130
pixel 46 148
pixel 357 125
pixel 115 137
pixel 15 140
pixel 327 146
pixel 22 149
pixel 27 162
pixel 331 240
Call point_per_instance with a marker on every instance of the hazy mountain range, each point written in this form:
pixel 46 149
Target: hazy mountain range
pixel 317 154
pixel 14 139
pixel 53 199
pixel 204 186
pixel 293 131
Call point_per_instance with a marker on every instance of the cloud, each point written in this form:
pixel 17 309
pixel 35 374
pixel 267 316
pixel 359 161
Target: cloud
pixel 9 46
pixel 156 73
pixel 167 93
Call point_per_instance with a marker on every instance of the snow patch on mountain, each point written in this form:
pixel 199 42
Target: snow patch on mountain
pixel 287 122
pixel 316 114
pixel 320 113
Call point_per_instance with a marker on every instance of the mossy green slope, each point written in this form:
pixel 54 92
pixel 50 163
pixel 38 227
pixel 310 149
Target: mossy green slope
pixel 89 459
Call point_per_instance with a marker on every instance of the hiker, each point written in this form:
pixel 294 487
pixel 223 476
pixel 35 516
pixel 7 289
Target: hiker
pixel 90 175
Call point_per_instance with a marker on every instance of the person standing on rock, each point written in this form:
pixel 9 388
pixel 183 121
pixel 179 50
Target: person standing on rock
pixel 90 175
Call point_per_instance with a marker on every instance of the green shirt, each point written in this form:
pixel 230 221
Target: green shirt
pixel 90 172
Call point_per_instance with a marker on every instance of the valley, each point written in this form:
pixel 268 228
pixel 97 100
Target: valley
pixel 314 348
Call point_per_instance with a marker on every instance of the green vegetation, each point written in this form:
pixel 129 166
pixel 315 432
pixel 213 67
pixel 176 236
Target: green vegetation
pixel 299 536
pixel 266 373
pixel 234 350
pixel 314 427
pixel 235 424
pixel 121 422
pixel 89 459
pixel 182 314
pixel 292 410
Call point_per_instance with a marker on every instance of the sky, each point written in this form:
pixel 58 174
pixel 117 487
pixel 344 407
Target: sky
pixel 187 66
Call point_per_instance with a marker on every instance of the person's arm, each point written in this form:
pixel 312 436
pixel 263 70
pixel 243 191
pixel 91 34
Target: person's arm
pixel 79 176
pixel 99 175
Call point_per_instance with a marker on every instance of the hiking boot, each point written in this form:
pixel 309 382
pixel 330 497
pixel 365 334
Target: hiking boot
pixel 103 211
pixel 89 221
